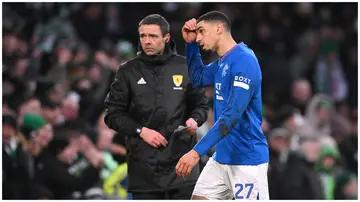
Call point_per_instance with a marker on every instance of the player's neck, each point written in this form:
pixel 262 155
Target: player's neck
pixel 225 44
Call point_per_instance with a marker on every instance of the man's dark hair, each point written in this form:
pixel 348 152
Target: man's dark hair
pixel 216 16
pixel 156 19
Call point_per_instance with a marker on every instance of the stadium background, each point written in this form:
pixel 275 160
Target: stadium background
pixel 60 58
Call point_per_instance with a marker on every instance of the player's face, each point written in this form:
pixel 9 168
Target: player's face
pixel 207 36
pixel 152 40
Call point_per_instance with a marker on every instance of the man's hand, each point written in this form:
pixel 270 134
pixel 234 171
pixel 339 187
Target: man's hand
pixel 186 163
pixel 192 124
pixel 84 144
pixel 95 157
pixel 152 137
pixel 189 31
pixel 66 156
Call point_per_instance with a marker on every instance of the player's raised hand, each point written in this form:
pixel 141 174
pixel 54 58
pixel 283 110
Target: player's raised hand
pixel 187 163
pixel 153 138
pixel 192 124
pixel 189 31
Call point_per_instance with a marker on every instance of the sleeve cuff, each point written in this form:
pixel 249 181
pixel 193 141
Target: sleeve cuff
pixel 138 130
pixel 191 44
pixel 200 150
pixel 197 118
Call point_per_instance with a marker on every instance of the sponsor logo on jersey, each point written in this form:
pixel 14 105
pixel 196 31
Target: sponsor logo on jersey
pixel 242 82
pixel 217 91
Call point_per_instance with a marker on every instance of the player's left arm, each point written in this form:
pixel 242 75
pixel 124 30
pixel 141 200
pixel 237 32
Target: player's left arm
pixel 244 78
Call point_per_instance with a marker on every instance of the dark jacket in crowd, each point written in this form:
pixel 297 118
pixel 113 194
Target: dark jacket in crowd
pixel 275 170
pixel 299 180
pixel 15 172
pixel 59 179
pixel 18 176
pixel 155 92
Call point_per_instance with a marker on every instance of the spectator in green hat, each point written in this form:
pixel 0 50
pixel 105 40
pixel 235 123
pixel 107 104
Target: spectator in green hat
pixel 325 165
pixel 36 131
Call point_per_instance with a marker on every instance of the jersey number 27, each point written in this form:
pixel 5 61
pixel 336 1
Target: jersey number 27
pixel 241 187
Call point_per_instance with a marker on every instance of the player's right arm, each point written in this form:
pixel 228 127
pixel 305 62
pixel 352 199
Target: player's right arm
pixel 200 75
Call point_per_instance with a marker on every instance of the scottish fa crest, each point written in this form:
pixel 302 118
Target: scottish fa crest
pixel 177 79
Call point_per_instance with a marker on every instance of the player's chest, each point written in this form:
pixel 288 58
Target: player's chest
pixel 222 81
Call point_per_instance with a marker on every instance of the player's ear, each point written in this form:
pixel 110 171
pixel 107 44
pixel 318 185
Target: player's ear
pixel 219 28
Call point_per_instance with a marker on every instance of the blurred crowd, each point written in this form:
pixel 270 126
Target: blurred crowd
pixel 60 58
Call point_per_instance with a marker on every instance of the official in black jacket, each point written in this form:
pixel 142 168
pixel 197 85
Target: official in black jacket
pixel 149 99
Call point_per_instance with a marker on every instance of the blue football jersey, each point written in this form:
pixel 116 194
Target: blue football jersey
pixel 236 78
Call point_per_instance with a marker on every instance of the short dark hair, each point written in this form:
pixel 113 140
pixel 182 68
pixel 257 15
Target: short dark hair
pixel 216 16
pixel 156 19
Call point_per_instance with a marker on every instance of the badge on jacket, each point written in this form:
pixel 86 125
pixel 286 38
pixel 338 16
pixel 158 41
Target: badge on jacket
pixel 177 81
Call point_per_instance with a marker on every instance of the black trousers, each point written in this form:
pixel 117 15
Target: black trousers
pixel 183 193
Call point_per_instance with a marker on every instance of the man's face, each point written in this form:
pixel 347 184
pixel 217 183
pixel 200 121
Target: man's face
pixel 51 115
pixel 207 36
pixel 70 109
pixel 152 40
pixel 301 91
pixel 278 143
pixel 8 133
pixel 21 67
pixel 328 162
pixel 81 57
pixel 10 43
pixel 57 93
pixel 45 135
pixel 323 114
pixel 32 106
pixel 311 150
pixel 290 123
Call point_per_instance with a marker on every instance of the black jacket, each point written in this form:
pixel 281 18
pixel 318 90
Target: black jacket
pixel 299 180
pixel 155 92
pixel 16 172
pixel 18 177
pixel 58 178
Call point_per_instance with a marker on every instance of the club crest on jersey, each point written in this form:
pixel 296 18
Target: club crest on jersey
pixel 177 79
pixel 224 71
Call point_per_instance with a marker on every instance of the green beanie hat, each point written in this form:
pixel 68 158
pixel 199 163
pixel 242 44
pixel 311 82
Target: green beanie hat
pixel 33 121
pixel 326 151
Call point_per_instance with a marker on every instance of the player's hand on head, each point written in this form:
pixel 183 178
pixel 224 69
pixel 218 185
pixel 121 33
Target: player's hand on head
pixel 192 124
pixel 189 30
pixel 187 163
pixel 153 138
